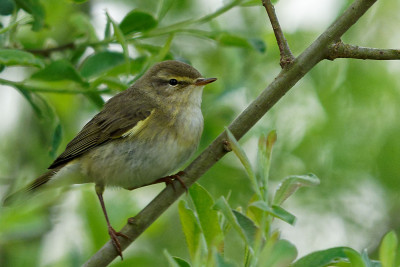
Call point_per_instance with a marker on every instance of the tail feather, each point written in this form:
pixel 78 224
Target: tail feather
pixel 38 182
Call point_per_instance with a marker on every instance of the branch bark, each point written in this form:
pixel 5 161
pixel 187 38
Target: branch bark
pixel 284 49
pixel 286 79
pixel 342 50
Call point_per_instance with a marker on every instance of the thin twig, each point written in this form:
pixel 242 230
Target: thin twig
pixel 47 51
pixel 342 50
pixel 286 79
pixel 284 49
pixel 31 88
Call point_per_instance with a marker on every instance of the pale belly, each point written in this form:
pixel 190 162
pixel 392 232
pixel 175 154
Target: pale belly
pixel 134 164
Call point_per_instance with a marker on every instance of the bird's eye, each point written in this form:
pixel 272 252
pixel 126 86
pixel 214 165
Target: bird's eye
pixel 173 82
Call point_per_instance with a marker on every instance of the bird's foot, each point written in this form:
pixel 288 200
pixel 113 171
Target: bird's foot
pixel 114 239
pixel 168 180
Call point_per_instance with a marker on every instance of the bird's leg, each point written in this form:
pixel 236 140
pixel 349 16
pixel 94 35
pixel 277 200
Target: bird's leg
pixel 113 234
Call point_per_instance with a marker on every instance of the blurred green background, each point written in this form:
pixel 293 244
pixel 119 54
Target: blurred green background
pixel 340 122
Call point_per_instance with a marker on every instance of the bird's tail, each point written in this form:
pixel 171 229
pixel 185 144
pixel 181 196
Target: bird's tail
pixel 38 182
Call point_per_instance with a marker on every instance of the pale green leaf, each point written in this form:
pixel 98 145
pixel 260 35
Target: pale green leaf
pixel 354 257
pixel 222 262
pixel 228 39
pixel 239 152
pixel 191 229
pixel 175 261
pixel 368 262
pixel 12 57
pixel 275 211
pixel 264 154
pixel 388 249
pixel 163 9
pixel 248 226
pixel 208 217
pixel 324 257
pixel 222 205
pixel 291 184
pixel 282 253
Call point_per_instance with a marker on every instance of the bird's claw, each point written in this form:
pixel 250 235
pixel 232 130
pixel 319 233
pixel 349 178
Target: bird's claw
pixel 114 239
pixel 168 180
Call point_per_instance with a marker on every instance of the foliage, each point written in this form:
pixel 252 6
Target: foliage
pixel 340 123
pixel 213 221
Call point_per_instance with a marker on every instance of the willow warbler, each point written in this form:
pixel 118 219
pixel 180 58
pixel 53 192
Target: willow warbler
pixel 141 135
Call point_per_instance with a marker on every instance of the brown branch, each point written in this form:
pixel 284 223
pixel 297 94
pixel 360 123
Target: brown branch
pixel 286 79
pixel 342 50
pixel 284 49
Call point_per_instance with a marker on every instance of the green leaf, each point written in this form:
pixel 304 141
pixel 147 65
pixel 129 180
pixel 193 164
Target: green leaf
pixel 239 152
pixel 11 57
pixel 163 53
pixel 250 3
pixel 175 261
pixel 78 1
pixel 248 226
pixel 59 70
pixel 36 9
pixel 222 205
pixel 107 30
pixel 39 104
pixel 258 44
pixel 291 184
pixel 191 229
pixel 228 39
pixel 163 9
pixel 82 27
pixel 137 21
pixel 222 262
pixel 111 82
pixel 208 217
pixel 354 257
pixel 55 143
pixel 323 257
pixel 388 249
pixel 275 211
pixel 264 155
pixel 32 99
pixel 368 262
pixel 282 253
pixel 99 63
pixel 6 7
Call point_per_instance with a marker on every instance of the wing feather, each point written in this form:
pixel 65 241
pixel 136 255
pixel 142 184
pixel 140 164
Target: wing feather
pixel 119 115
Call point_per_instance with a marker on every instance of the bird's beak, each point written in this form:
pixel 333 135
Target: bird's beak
pixel 204 81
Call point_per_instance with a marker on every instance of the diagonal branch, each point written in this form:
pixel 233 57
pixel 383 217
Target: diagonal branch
pixel 286 55
pixel 342 50
pixel 286 79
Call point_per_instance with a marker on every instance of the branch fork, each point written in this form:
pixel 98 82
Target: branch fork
pixel 324 47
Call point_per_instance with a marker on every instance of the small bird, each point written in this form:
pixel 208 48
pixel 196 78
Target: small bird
pixel 139 137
